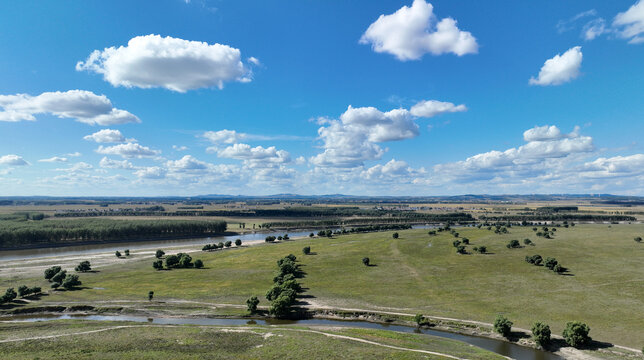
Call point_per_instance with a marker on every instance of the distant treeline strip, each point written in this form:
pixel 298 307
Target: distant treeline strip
pixel 557 208
pixel 425 218
pixel 33 233
pixel 559 217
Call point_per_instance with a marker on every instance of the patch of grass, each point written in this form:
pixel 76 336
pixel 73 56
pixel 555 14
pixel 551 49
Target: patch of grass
pixel 604 287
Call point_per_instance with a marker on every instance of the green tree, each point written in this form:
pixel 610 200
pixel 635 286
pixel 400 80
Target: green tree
pixel 171 261
pixel 513 244
pixel 576 334
pixel 541 333
pixel 551 263
pixel 395 235
pixel 23 290
pixel 306 250
pixel 466 241
pixel 527 242
pixel 238 242
pixel 461 250
pixel 49 273
pixel 228 243
pixel 638 239
pixel 127 252
pixel 71 282
pixel 159 254
pixel 311 235
pixel 158 264
pixel 365 261
pixel 150 295
pixel 281 306
pixel 456 243
pixel 84 266
pixel 252 303
pixel 502 325
pixel 419 319
pixel 118 254
pixel 198 264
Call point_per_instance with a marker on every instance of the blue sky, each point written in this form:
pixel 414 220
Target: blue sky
pixel 317 97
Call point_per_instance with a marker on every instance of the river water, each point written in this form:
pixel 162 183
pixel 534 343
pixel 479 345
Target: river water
pixel 498 346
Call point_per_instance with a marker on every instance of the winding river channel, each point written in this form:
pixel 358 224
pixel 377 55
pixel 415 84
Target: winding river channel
pixel 498 346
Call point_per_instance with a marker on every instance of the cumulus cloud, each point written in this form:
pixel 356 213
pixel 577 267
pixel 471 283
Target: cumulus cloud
pixel 224 136
pixel 84 106
pixel 256 157
pixel 108 163
pixel 560 69
pixel 616 166
pixel 394 170
pixel 152 61
pixel 431 108
pixel 106 136
pixel 128 150
pixel 12 160
pixel 186 163
pixel 411 32
pixel 630 24
pixel 545 145
pixel 54 159
pixel 152 172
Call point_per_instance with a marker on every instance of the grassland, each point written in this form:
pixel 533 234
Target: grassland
pixel 119 340
pixel 415 273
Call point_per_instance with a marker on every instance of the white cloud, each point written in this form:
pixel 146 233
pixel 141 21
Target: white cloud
pixel 84 106
pixel 106 136
pixel 79 167
pixel 560 69
pixel 128 150
pixel 411 32
pixel 569 24
pixel 179 148
pixel 594 28
pixel 108 163
pixel 13 160
pixel 630 24
pixel 545 148
pixel 54 159
pixel 224 136
pixel 75 154
pixel 186 163
pixel 153 61
pixel 256 157
pixel 394 170
pixel 615 166
pixel 431 108
pixel 152 172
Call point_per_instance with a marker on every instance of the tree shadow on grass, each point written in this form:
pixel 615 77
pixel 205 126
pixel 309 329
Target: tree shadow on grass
pixel 557 344
pixel 515 336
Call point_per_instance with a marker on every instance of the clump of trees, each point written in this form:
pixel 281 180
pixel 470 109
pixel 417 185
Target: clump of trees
pixel 502 325
pixel 24 290
pixel 9 296
pixel 84 266
pixel 270 238
pixel 59 278
pixel 513 244
pixel 178 261
pixel 534 259
pixel 480 249
pixel 285 287
pixel 541 333
pixel 576 334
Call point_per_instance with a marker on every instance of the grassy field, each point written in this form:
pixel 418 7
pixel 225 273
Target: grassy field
pixel 416 273
pixel 110 340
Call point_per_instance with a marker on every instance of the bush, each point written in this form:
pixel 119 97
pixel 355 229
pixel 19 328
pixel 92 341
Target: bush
pixel 541 333
pixel 638 239
pixel 71 282
pixel 228 244
pixel 127 252
pixel 118 254
pixel 311 235
pixel 238 242
pixel 481 249
pixel 551 263
pixel 49 273
pixel 456 243
pixel 270 239
pixel 527 242
pixel 198 264
pixel 281 306
pixel 285 237
pixel 513 244
pixel 252 303
pixel 534 259
pixel 84 266
pixel 395 235
pixel 171 261
pixel 466 241
pixel 23 290
pixel 365 261
pixel 502 325
pixel 9 296
pixel 576 334
pixel 461 250
pixel 419 319
pixel 559 269
pixel 59 277
pixel 158 264
pixel 150 295
pixel 159 254
pixel 306 250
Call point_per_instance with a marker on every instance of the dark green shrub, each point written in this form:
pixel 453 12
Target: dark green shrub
pixel 306 250
pixel 158 264
pixel 551 263
pixel 150 295
pixel 638 239
pixel 365 261
pixel 513 244
pixel 49 273
pixel 71 282
pixel 84 266
pixel 252 303
pixel 502 325
pixel 461 250
pixel 228 243
pixel 541 333
pixel 456 243
pixel 395 235
pixel 118 254
pixel 238 242
pixel 527 242
pixel 576 334
pixel 159 254
pixel 198 264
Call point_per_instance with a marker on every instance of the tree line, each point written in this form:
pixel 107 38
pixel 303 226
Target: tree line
pixel 29 233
